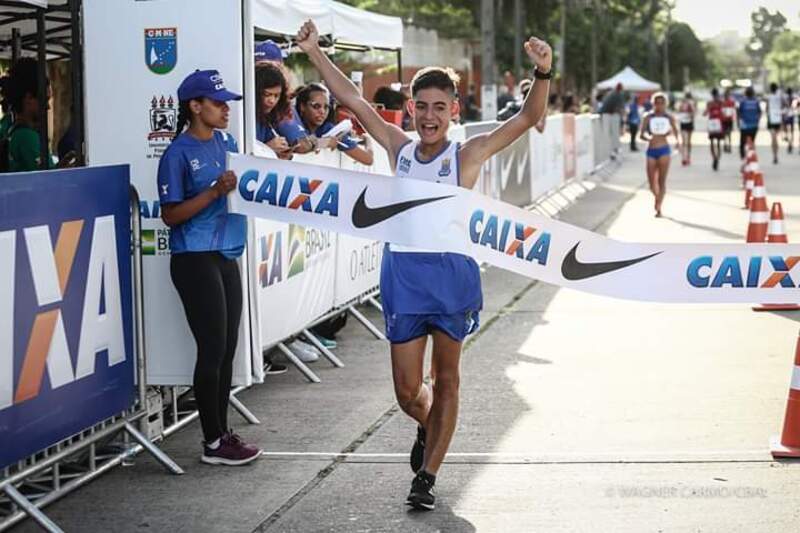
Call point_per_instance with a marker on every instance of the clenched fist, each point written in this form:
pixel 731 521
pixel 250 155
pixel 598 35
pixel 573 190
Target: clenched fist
pixel 308 37
pixel 540 53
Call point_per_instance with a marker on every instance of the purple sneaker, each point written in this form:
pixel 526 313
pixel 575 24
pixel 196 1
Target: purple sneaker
pixel 229 453
pixel 236 439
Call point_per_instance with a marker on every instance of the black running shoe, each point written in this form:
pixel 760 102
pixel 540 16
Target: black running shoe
pixel 422 496
pixel 418 450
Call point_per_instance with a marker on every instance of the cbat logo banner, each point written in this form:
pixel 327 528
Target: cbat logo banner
pixel 66 359
pixel 434 216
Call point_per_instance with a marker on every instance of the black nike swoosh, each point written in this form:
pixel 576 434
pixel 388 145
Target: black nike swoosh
pixel 573 269
pixel 365 216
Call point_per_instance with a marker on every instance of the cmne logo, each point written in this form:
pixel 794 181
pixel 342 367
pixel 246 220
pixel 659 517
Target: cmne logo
pixel 486 234
pixel 702 273
pixel 101 326
pixel 278 192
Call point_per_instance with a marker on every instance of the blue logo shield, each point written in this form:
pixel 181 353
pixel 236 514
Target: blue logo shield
pixel 161 49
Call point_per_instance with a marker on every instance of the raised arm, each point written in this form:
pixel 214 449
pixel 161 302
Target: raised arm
pixel 387 135
pixel 481 147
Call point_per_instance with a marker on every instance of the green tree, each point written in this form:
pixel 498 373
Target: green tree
pixel 686 54
pixel 627 31
pixel 766 28
pixel 783 60
pixel 726 64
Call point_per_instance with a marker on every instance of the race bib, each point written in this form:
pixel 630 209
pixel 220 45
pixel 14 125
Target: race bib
pixel 685 118
pixel 714 125
pixel 728 112
pixel 660 125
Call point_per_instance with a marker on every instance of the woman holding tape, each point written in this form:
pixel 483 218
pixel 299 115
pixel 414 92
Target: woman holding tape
pixel 206 241
pixel 656 126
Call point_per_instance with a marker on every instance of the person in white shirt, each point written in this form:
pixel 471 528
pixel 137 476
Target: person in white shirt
pixel 775 104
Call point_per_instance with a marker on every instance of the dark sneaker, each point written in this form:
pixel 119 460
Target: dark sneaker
pixel 418 450
pixel 229 453
pixel 422 496
pixel 237 440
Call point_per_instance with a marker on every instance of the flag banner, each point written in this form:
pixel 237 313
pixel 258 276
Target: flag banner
pixel 433 216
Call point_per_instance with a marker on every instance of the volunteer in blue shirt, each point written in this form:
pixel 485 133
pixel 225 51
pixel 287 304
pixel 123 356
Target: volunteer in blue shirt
pixel 749 116
pixel 276 124
pixel 206 241
pixel 313 107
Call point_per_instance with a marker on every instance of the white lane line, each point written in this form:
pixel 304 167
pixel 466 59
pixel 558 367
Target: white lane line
pixel 666 455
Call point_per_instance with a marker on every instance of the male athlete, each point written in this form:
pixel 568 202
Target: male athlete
pixel 425 293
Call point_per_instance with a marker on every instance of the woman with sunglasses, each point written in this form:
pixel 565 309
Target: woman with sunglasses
pixel 313 107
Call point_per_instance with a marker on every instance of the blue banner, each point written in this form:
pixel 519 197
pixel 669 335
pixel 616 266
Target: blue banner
pixel 66 336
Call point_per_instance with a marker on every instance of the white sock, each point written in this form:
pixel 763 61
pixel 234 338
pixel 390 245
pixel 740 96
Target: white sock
pixel 213 445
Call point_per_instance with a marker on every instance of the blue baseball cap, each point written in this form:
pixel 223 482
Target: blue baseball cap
pixel 205 84
pixel 268 51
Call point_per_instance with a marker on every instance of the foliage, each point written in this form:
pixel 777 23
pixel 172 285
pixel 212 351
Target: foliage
pixel 783 59
pixel 766 28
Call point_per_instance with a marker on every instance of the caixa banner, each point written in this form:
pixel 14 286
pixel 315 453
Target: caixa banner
pixel 435 216
pixel 66 357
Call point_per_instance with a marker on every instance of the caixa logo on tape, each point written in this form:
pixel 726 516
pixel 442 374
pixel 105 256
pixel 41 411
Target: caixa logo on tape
pixel 508 237
pixel 48 286
pixel 734 271
pixel 293 193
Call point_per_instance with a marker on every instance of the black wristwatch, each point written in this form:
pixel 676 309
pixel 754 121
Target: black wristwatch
pixel 539 75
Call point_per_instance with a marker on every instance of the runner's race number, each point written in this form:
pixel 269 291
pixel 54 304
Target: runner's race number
pixel 660 125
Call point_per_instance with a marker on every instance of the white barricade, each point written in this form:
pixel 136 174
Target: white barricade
pixel 149 116
pixel 554 152
pixel 584 148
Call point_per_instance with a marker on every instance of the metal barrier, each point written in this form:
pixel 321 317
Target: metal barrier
pixel 50 474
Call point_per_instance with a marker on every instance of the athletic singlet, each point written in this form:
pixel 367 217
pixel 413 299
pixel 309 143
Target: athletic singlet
pixel 749 114
pixel 775 108
pixel 714 111
pixel 686 112
pixel 424 282
pixel 659 124
pixel 728 109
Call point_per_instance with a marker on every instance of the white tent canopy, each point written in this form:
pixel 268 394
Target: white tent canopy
pixel 346 24
pixel 630 80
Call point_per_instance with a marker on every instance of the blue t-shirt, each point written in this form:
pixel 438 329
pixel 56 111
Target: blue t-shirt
pixel 345 143
pixel 633 113
pixel 749 114
pixel 290 128
pixel 188 167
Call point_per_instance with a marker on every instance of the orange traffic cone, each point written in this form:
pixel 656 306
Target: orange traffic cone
pixel 777 234
pixel 759 215
pixel 748 189
pixel 789 443
pixel 747 169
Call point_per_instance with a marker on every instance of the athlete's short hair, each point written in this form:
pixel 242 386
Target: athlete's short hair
pixel 445 79
pixel 658 95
